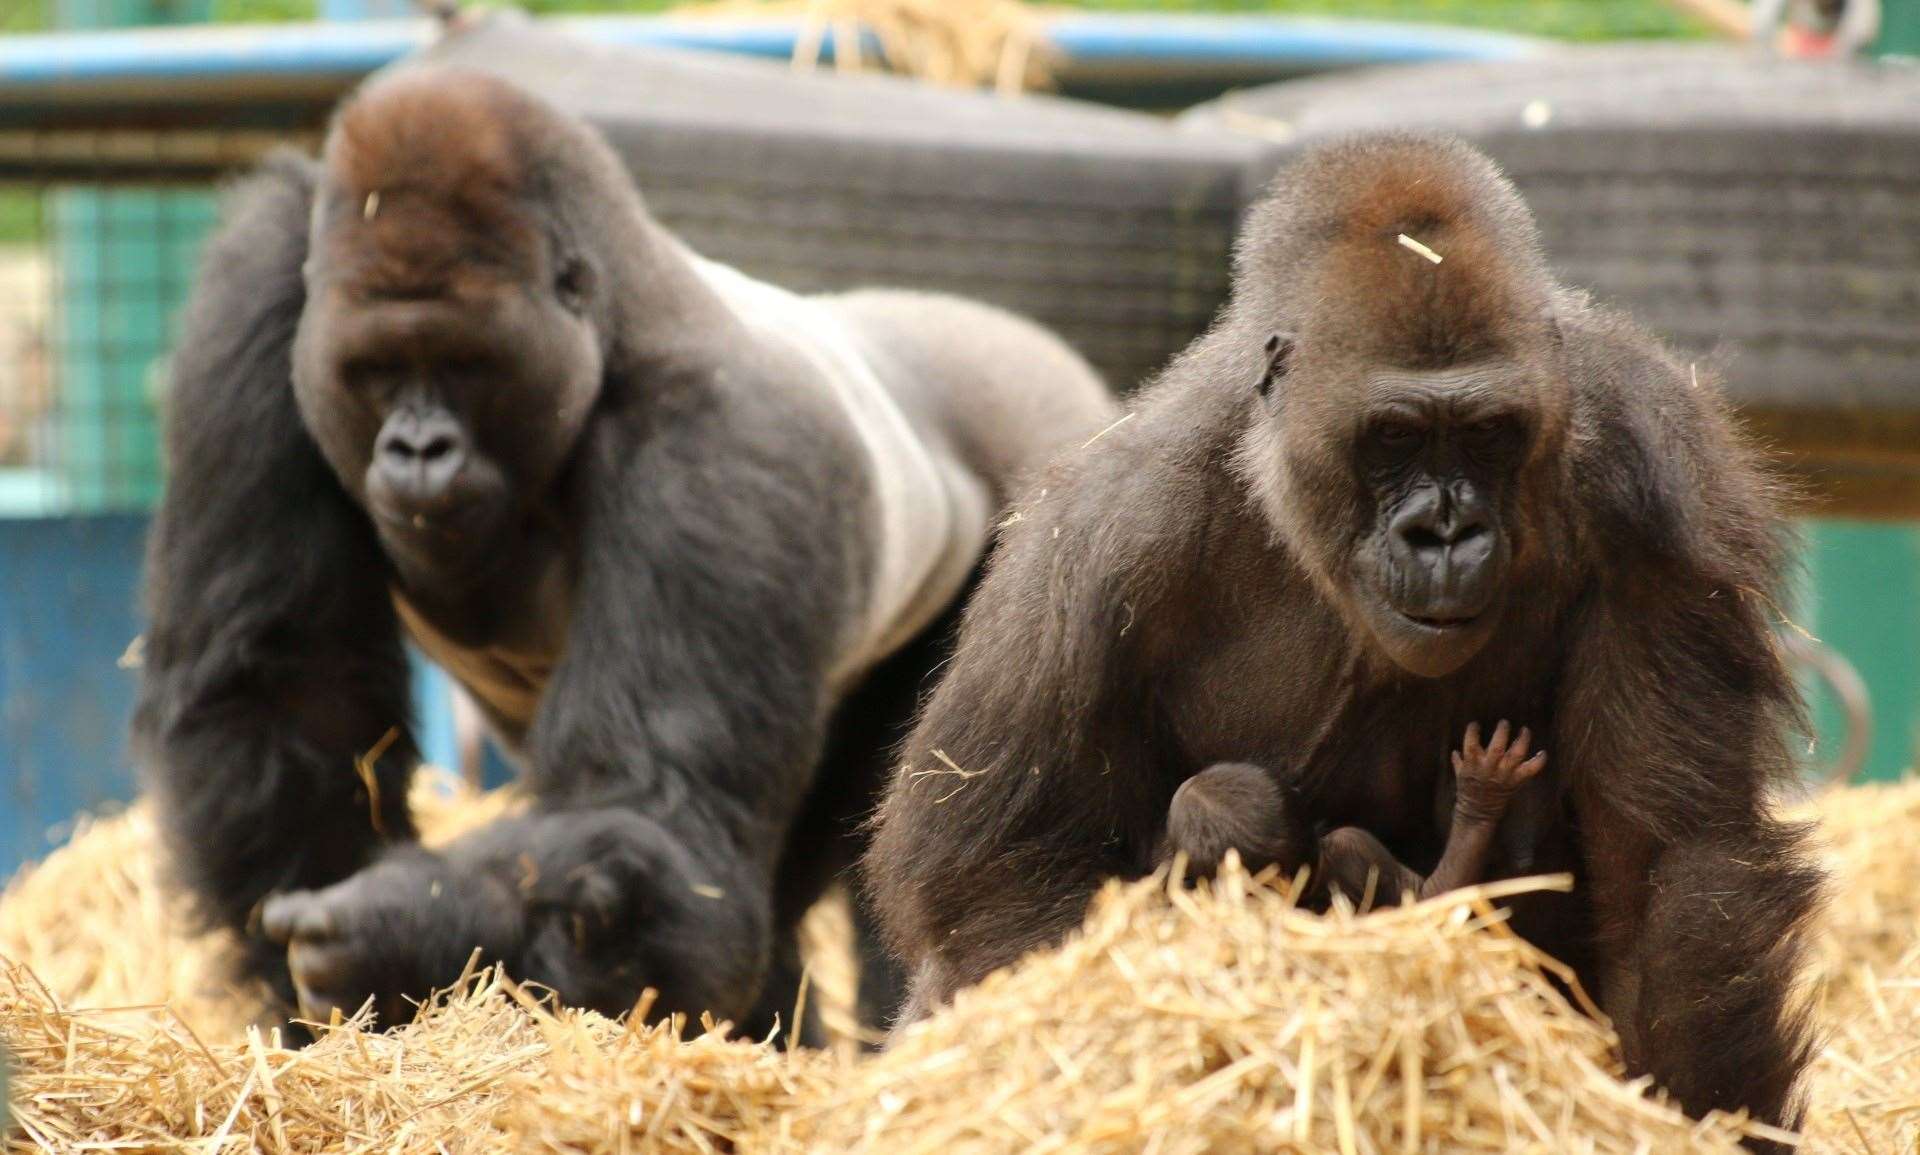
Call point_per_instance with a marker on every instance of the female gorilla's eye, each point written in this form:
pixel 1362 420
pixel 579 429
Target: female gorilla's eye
pixel 1492 432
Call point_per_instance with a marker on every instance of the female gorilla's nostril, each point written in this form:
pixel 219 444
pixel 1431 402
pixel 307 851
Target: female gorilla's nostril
pixel 1431 535
pixel 1469 533
pixel 1422 538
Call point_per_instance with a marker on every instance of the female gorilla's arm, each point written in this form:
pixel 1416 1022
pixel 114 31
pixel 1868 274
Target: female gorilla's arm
pixel 1673 724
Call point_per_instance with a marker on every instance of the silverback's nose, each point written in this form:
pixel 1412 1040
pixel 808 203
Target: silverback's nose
pixel 419 454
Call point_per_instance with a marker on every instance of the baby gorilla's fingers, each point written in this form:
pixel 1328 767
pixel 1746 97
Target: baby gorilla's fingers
pixel 1486 778
pixel 1497 745
pixel 1517 752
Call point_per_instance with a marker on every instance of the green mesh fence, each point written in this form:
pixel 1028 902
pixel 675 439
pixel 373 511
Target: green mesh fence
pixel 91 282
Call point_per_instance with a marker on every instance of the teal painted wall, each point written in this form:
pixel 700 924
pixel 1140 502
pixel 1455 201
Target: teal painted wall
pixel 1863 599
pixel 1899 28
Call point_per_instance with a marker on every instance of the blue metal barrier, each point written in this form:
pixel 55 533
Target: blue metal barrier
pixel 68 612
pixel 1100 49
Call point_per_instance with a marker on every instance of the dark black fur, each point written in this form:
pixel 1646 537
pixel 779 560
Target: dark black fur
pixel 1198 588
pixel 273 650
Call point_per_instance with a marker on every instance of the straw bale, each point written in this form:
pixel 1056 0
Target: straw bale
pixel 1865 1090
pixel 1226 1020
pixel 1870 836
pixel 954 43
pixel 484 1069
pixel 96 924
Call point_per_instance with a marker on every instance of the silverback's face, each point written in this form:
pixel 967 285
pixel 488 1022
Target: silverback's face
pixel 1437 453
pixel 446 370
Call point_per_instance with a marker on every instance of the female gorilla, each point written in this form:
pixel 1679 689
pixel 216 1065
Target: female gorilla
pixel 687 538
pixel 1407 482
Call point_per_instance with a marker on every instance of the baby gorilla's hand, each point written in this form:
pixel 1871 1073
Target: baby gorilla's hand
pixel 1487 777
pixel 392 933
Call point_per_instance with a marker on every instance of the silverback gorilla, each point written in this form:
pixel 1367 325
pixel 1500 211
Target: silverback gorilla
pixel 688 539
pixel 1393 492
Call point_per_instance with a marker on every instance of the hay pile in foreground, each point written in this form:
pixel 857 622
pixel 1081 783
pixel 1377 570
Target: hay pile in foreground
pixel 96 926
pixel 1226 1020
pixel 457 1080
pixel 1219 1020
pixel 1214 1020
pixel 1865 1090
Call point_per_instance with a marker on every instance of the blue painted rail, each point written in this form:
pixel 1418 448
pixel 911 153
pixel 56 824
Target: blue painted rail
pixel 1103 49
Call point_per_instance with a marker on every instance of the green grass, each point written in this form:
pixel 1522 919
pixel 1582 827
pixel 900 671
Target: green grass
pixel 1569 19
pixel 20 220
pixel 262 11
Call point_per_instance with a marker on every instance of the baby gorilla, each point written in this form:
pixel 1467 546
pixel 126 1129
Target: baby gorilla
pixel 1243 807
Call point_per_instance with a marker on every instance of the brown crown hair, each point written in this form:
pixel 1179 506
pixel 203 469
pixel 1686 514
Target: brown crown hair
pixel 427 177
pixel 1329 236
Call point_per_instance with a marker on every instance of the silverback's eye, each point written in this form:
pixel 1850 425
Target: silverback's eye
pixel 573 283
pixel 1396 434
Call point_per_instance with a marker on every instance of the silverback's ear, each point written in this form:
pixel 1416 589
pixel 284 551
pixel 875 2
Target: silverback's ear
pixel 1279 350
pixel 573 283
pixel 1551 321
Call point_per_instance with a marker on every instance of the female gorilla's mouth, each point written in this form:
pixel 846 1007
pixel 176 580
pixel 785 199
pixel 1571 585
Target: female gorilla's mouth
pixel 1441 623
